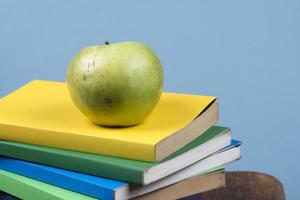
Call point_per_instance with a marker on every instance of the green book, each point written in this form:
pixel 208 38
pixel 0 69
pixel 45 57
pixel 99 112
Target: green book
pixel 131 171
pixel 27 188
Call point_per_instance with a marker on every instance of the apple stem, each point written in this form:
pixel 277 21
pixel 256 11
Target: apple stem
pixel 106 42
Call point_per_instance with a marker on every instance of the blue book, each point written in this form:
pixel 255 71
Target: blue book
pixel 103 188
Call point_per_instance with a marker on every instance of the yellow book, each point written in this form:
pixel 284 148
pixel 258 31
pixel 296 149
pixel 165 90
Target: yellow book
pixel 42 113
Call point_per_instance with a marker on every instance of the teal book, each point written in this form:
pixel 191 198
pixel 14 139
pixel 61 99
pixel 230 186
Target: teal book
pixel 131 171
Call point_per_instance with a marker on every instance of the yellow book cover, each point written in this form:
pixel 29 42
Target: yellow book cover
pixel 42 113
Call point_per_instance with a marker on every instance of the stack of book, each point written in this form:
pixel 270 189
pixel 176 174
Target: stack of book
pixel 49 150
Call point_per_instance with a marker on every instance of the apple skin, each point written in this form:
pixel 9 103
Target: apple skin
pixel 115 84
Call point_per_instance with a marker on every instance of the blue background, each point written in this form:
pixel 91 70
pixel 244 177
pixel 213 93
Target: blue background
pixel 245 52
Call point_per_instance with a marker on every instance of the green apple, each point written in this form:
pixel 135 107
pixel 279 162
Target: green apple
pixel 115 84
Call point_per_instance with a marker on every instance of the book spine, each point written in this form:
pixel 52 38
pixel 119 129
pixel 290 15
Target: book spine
pixel 77 142
pixel 74 163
